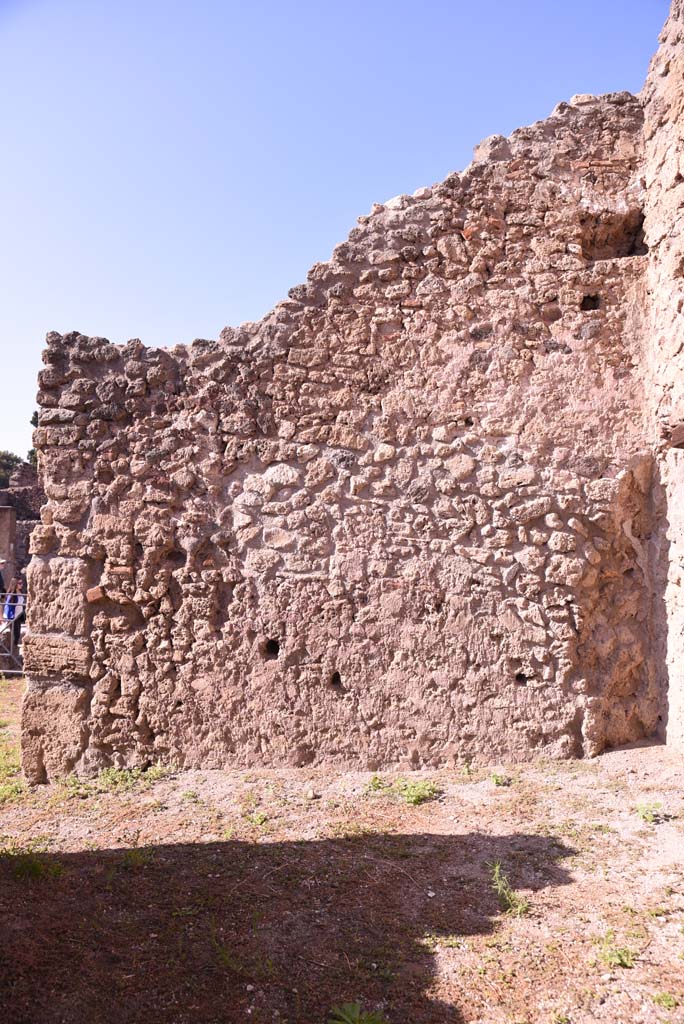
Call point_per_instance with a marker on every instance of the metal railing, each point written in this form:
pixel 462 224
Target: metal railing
pixel 12 626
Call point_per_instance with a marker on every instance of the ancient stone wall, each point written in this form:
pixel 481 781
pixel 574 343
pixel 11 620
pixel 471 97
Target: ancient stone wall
pixel 663 99
pixel 409 517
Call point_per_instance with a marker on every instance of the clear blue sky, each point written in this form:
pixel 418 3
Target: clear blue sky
pixel 168 168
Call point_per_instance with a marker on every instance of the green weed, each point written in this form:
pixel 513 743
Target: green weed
pixel 433 941
pixel 76 788
pixel 9 762
pixel 257 818
pixel 651 813
pixel 351 829
pixel 12 790
pixel 351 1013
pixel 29 862
pixel 510 901
pixel 138 857
pixel 418 792
pixel 500 780
pixel 615 956
pixel 414 792
pixel 667 1001
pixel 12 787
pixel 114 780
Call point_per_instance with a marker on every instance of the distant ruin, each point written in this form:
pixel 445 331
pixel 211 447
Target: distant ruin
pixel 430 508
pixel 25 496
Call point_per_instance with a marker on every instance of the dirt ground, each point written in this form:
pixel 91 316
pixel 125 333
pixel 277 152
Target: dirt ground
pixel 275 896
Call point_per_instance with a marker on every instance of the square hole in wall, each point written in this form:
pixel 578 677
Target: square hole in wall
pixel 611 235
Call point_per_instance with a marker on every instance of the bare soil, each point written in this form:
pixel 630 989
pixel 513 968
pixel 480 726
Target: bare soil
pixel 274 896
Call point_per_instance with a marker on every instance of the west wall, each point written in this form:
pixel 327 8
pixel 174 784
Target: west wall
pixel 410 517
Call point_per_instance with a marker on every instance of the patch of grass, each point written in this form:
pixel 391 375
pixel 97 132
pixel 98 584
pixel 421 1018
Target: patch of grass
pixel 75 788
pixel 613 955
pixel 12 790
pixel 114 780
pixel 433 941
pixel 352 1013
pixel 500 780
pixel 417 792
pixel 12 787
pixel 257 818
pixel 29 862
pixel 138 857
pixel 352 829
pixel 377 783
pixel 117 780
pixel 124 779
pixel 9 761
pixel 651 813
pixel 510 901
pixel 667 1001
pixel 191 796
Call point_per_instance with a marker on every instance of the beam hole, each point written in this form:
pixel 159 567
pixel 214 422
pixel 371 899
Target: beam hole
pixel 271 650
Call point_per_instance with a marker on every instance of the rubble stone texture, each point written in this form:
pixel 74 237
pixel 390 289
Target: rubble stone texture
pixel 26 496
pixel 430 508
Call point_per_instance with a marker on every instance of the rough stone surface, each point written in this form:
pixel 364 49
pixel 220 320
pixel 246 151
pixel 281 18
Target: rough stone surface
pixel 423 511
pixel 26 496
pixel 663 98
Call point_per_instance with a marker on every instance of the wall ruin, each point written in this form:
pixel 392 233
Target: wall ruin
pixel 26 496
pixel 663 98
pixel 417 514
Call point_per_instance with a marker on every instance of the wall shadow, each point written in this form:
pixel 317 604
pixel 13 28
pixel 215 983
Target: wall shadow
pixel 239 931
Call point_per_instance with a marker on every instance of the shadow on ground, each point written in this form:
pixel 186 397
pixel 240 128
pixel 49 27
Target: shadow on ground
pixel 264 932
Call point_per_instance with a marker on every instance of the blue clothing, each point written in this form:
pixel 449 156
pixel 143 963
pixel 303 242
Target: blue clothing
pixel 14 603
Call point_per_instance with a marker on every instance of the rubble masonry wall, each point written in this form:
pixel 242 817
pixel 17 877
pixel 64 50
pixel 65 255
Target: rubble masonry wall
pixel 413 516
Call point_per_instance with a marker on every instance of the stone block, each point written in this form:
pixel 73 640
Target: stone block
pixel 57 589
pixel 53 730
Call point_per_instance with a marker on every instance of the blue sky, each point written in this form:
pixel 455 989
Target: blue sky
pixel 171 167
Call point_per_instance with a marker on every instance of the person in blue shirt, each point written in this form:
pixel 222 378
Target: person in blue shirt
pixel 15 607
